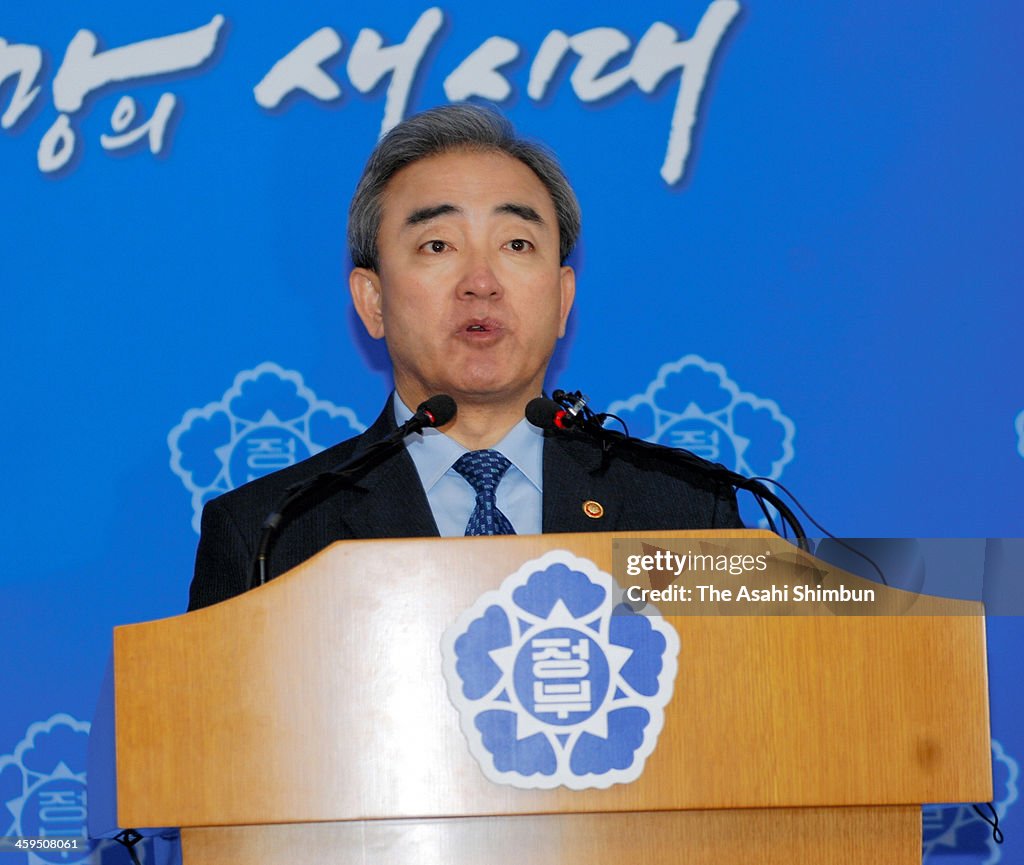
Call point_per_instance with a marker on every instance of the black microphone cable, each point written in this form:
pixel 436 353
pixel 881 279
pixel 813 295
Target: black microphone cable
pixel 569 411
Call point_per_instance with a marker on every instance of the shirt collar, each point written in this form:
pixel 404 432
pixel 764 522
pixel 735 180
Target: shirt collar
pixel 433 452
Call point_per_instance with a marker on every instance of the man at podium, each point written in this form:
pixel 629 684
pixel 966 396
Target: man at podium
pixel 459 232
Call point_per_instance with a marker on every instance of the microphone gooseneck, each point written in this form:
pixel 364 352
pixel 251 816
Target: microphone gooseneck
pixel 572 415
pixel 433 412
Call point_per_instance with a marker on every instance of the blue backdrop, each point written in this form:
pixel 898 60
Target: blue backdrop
pixel 800 256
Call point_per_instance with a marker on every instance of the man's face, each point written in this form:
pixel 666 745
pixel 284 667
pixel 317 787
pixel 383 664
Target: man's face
pixel 470 295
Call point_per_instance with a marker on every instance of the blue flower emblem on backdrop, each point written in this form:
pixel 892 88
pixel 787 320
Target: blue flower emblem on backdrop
pixel 693 404
pixel 267 420
pixel 556 683
pixel 43 795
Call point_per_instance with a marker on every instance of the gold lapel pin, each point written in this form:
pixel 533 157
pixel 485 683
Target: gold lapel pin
pixel 594 510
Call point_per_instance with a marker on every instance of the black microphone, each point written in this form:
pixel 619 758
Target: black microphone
pixel 433 412
pixel 549 415
pixel 436 411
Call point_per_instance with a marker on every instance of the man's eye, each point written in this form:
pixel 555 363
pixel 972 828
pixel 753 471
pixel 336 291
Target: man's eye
pixel 520 245
pixel 434 246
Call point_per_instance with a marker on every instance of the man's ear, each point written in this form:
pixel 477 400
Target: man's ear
pixel 568 289
pixel 365 287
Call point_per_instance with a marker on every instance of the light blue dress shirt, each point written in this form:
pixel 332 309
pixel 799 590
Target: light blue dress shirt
pixel 451 498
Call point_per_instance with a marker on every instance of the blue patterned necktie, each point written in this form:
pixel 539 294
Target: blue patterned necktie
pixel 484 470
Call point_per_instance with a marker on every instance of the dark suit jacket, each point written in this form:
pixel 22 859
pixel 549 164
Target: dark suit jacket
pixel 639 491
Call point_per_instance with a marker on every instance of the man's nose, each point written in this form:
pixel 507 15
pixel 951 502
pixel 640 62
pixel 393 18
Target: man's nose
pixel 480 279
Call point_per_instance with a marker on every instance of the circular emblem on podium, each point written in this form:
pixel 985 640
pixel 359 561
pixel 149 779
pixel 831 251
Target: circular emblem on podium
pixel 558 683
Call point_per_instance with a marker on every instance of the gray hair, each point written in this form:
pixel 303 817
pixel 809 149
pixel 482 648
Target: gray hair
pixel 440 130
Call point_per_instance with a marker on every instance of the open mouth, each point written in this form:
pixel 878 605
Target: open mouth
pixel 481 325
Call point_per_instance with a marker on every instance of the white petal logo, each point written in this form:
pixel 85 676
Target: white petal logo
pixel 693 404
pixel 267 420
pixel 42 789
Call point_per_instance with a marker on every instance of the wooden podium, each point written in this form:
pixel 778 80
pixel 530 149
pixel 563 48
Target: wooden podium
pixel 309 721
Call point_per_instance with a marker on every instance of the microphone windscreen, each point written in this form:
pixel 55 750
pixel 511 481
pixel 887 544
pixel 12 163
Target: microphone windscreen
pixel 543 412
pixel 440 408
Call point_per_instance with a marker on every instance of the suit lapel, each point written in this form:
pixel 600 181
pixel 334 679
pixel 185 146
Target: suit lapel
pixel 388 501
pixel 572 478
